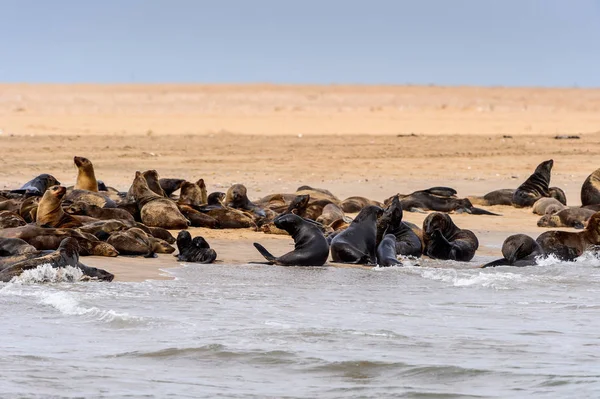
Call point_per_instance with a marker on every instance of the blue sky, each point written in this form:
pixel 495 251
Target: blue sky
pixel 444 42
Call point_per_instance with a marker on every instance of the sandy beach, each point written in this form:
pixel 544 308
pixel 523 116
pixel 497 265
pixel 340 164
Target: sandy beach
pixel 353 140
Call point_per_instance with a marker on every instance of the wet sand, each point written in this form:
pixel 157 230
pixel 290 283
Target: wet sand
pixel 352 140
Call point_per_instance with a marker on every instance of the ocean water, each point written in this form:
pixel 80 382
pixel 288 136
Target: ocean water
pixel 436 330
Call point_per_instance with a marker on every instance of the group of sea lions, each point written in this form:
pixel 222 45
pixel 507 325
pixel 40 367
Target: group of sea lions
pixel 45 222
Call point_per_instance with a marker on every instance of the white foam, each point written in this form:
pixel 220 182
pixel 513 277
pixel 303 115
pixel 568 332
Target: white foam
pixel 67 304
pixel 464 278
pixel 47 274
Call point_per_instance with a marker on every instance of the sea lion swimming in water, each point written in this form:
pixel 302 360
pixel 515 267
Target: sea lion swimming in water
pixel 407 242
pixel 310 245
pixel 386 252
pixel 38 185
pixel 86 178
pixel 535 187
pixel 358 243
pixel 496 197
pixel 444 240
pixel 568 217
pixel 518 250
pixel 195 250
pixel 568 246
pixel 15 246
pixel 590 190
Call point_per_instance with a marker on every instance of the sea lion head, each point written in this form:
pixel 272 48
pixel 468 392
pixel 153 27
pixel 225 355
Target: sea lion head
pixel 288 222
pixel 203 192
pixel 300 202
pixel 237 195
pixel 437 221
pixel 98 274
pixel 70 246
pixel 161 246
pixel 545 167
pixel 369 211
pixel 48 180
pixel 191 194
pixel 549 220
pixel 216 198
pixel 184 239
pixel 78 208
pixel 55 192
pixel 101 248
pixel 200 242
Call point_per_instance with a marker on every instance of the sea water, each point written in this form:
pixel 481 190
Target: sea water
pixel 437 330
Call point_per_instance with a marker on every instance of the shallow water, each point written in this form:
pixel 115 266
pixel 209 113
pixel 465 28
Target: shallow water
pixel 267 331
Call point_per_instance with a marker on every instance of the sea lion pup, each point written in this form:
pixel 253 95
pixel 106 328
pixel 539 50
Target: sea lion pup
pixel 406 241
pixel 94 211
pixel 535 187
pixel 156 211
pixel 195 250
pixel 497 197
pixel 237 198
pixel 568 246
pixel 547 206
pixel 358 243
pixel 38 185
pixel 50 212
pixel 310 245
pixel 169 186
pixel 386 252
pixel 569 217
pixel 590 190
pixel 135 241
pixel 11 219
pixel 86 178
pixel 444 240
pixel 67 254
pixel 355 204
pixel 518 250
pixel 15 246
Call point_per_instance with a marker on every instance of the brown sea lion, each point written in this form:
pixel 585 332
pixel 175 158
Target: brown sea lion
pixel 157 232
pixel 193 194
pixel 386 252
pixel 518 250
pixel 86 178
pixel 85 209
pixel 497 197
pixel 197 218
pixel 50 212
pixel 330 214
pixel 355 204
pixel 12 205
pixel 15 246
pixel 237 198
pixel 152 179
pixel 195 250
pixel 156 211
pixel 558 194
pixel 568 217
pixel 28 209
pixel 100 199
pixel 444 240
pixel 135 241
pixel 276 202
pixel 38 185
pixel 105 226
pixel 11 219
pixel 590 190
pixel 535 187
pixel 547 206
pixel 169 186
pixel 441 199
pixel 317 194
pixel 568 246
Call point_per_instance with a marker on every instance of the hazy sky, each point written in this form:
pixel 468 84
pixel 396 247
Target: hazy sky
pixel 474 42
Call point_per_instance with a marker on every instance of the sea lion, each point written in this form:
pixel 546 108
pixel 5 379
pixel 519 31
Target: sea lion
pixel 304 207
pixel 195 250
pixel 156 211
pixel 197 218
pixel 15 246
pixel 355 204
pixel 568 217
pixel 386 252
pixel 38 185
pixel 11 219
pixel 100 199
pixel 518 250
pixel 590 190
pixel 50 212
pixel 310 245
pixel 169 186
pixel 28 209
pixel 406 241
pixel 558 194
pixel 276 202
pixel 152 179
pixel 94 211
pixel 497 197
pixel 135 241
pixel 358 243
pixel 237 198
pixel 193 194
pixel 330 214
pixel 86 178
pixel 441 199
pixel 444 240
pixel 568 246
pixel 318 194
pixel 535 187
pixel 547 206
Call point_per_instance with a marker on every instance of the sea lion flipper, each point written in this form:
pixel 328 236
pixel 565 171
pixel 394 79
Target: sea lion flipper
pixel 263 251
pixel 497 262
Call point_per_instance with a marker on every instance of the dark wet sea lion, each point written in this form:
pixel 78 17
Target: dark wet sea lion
pixel 444 240
pixel 195 250
pixel 135 241
pixel 355 204
pixel 85 209
pixel 568 246
pixel 38 185
pixel 547 206
pixel 11 219
pixel 590 190
pixel 518 250
pixel 439 199
pixel 237 198
pixel 318 193
pixel 169 186
pixel 358 243
pixel 214 201
pixel 497 197
pixel 407 242
pixel 106 226
pixel 156 211
pixel 15 246
pixel 86 178
pixel 310 245
pixel 535 187
pixel 386 252
pixel 50 212
pixel 569 217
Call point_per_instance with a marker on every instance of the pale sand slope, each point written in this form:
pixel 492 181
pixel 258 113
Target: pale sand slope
pixel 349 144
